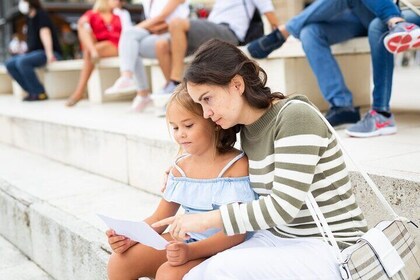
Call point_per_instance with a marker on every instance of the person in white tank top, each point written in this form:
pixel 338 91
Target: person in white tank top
pixel 139 42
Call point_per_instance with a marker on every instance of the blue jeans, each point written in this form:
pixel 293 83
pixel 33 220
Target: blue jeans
pixel 22 69
pixel 327 22
pixel 383 61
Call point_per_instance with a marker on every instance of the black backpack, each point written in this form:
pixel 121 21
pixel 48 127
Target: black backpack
pixel 255 29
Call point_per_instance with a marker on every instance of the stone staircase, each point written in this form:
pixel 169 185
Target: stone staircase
pixel 60 166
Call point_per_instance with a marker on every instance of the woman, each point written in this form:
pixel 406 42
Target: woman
pixel 291 152
pixel 139 42
pixel 99 31
pixel 43 48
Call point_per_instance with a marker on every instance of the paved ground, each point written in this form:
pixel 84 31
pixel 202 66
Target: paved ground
pixel 16 266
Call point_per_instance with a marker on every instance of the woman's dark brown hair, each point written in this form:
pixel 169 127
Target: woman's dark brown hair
pixel 224 138
pixel 217 62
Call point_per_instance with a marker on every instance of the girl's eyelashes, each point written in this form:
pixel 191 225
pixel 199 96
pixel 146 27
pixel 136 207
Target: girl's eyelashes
pixel 189 125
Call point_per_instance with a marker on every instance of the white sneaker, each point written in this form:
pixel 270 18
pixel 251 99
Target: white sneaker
pixel 140 103
pixel 122 85
pixel 161 97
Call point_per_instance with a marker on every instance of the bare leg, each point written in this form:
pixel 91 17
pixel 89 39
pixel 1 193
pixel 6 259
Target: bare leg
pixel 84 77
pixel 178 29
pixel 284 31
pixel 106 49
pixel 138 261
pixel 102 49
pixel 168 272
pixel 87 40
pixel 163 55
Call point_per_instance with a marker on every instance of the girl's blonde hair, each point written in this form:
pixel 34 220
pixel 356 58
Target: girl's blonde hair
pixel 101 6
pixel 224 138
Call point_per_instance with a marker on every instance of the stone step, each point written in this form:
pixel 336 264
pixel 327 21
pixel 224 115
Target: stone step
pixel 48 211
pixel 134 149
pixel 15 265
pixel 104 139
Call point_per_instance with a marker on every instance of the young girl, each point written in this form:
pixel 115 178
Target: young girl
pixel 210 173
pixel 291 153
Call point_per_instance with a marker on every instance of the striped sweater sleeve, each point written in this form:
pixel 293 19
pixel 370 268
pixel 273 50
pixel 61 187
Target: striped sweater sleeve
pixel 300 137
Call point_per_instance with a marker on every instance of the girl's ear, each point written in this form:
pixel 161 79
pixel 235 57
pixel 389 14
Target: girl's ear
pixel 238 84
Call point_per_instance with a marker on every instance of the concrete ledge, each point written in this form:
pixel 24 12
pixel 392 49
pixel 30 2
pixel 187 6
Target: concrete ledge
pixel 290 73
pixel 5 81
pixel 127 158
pixel 50 213
pixel 63 246
pixel 15 265
pixel 50 217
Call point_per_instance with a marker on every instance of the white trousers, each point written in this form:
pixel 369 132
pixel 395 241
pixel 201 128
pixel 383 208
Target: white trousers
pixel 137 43
pixel 267 257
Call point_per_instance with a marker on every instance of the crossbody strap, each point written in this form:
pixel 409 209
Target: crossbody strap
pixel 246 10
pixel 372 185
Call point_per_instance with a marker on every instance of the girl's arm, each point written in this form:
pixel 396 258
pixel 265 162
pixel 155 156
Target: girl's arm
pixel 159 19
pixel 46 39
pixel 165 209
pixel 178 253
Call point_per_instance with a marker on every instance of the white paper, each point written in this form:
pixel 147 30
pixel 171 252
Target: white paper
pixel 137 231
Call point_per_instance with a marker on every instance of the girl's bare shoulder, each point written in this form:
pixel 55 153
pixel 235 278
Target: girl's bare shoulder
pixel 239 168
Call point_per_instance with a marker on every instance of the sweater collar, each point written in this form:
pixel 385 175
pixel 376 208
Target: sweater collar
pixel 254 129
pixel 257 128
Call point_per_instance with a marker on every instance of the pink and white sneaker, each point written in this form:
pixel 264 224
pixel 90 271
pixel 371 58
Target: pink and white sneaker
pixel 122 85
pixel 403 36
pixel 140 103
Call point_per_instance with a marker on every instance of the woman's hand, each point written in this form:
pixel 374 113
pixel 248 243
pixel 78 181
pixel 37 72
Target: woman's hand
pixel 119 243
pixel 158 28
pixel 182 224
pixel 177 253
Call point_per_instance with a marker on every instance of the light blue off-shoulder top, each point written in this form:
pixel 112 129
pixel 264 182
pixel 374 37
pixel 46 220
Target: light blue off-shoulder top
pixel 202 195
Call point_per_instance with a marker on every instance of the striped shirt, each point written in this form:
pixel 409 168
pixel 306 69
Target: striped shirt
pixel 291 153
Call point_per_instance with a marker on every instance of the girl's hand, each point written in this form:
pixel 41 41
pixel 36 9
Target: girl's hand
pixel 180 225
pixel 119 243
pixel 177 253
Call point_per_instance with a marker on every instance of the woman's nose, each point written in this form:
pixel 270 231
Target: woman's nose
pixel 207 114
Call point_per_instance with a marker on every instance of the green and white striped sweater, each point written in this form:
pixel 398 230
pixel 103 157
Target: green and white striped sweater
pixel 290 154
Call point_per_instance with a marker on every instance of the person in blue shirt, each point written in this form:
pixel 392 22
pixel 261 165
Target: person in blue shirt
pixel 325 23
pixel 43 48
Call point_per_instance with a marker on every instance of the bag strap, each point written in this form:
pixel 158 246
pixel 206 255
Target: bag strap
pixel 246 10
pixel 316 212
pixel 411 6
pixel 372 185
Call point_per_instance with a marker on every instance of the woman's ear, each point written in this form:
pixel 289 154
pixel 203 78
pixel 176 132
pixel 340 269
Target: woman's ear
pixel 238 84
